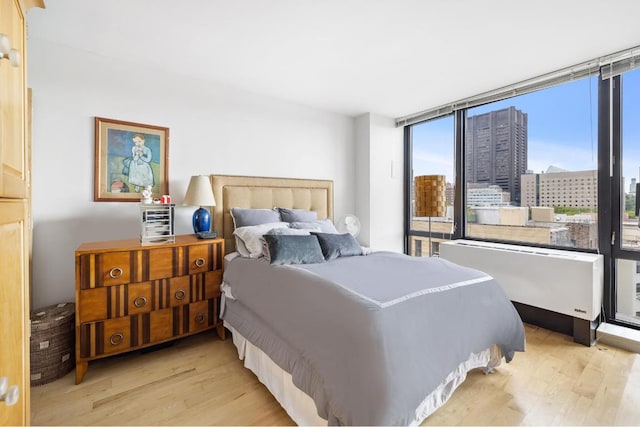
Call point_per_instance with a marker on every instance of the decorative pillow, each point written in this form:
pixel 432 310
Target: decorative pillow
pixel 324 226
pixel 297 215
pixel 281 232
pixel 291 249
pixel 338 245
pixel 243 217
pixel 251 236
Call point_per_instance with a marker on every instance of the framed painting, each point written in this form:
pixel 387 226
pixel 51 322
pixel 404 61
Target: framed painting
pixel 129 158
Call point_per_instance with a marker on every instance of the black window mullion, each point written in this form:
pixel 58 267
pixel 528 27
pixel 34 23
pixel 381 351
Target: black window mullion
pixel 408 177
pixel 606 196
pixel 460 198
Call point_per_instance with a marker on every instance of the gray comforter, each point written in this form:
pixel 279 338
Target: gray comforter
pixel 369 337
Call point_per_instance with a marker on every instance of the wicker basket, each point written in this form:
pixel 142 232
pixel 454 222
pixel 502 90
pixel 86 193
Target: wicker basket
pixel 52 342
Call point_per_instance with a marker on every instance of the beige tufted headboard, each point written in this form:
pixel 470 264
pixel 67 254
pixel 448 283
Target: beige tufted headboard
pixel 266 193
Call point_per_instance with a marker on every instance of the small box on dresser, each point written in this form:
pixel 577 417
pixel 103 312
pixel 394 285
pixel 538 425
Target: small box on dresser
pixel 130 296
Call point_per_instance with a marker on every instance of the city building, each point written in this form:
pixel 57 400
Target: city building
pixel 558 187
pixel 487 195
pixel 496 149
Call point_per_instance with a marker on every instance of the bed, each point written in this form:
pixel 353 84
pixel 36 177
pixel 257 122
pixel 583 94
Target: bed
pixel 356 338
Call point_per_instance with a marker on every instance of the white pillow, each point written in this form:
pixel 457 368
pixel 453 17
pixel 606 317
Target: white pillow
pixel 251 236
pixel 323 225
pixel 241 248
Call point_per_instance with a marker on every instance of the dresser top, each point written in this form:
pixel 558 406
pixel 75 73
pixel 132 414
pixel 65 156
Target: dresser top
pixel 133 244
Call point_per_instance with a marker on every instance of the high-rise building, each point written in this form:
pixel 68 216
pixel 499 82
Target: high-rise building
pixel 496 149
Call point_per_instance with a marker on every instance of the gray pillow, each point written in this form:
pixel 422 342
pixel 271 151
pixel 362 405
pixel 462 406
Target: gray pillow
pixel 243 217
pixel 281 231
pixel 291 249
pixel 338 245
pixel 324 226
pixel 295 215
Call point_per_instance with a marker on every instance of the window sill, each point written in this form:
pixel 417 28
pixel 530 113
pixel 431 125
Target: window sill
pixel 619 336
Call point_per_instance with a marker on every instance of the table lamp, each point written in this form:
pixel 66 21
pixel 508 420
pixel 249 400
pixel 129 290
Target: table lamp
pixel 200 193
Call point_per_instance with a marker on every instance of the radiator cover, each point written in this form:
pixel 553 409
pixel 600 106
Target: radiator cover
pixel 561 281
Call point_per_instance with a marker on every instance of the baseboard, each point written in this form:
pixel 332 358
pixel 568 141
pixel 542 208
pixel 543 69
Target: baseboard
pixel 619 336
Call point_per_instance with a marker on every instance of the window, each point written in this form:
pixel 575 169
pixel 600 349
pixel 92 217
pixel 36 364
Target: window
pixel 431 153
pixel 540 142
pixel 627 295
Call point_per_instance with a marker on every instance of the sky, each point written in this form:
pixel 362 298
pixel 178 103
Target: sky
pixel 562 130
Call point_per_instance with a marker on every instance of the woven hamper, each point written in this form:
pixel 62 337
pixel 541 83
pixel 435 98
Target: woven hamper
pixel 52 342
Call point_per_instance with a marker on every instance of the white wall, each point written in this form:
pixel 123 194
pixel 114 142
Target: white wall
pixel 379 182
pixel 213 129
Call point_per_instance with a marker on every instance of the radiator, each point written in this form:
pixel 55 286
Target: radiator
pixel 561 281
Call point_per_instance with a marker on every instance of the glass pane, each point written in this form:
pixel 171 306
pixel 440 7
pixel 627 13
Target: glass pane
pixel 433 154
pixel 628 290
pixel 531 167
pixel 630 158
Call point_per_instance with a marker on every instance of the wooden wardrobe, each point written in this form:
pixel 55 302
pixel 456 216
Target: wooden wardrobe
pixel 15 214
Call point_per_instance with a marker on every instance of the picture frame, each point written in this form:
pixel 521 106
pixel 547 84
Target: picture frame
pixel 128 158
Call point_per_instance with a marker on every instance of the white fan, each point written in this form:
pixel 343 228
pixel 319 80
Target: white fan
pixel 349 224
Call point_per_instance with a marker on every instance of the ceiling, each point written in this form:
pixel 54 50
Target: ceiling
pixel 388 57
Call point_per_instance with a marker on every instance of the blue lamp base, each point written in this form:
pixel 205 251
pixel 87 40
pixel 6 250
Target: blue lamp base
pixel 201 220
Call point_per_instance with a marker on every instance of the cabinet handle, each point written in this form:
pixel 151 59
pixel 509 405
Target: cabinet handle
pixel 115 272
pixel 140 302
pixel 116 338
pixel 180 294
pixel 9 395
pixel 200 318
pixel 200 262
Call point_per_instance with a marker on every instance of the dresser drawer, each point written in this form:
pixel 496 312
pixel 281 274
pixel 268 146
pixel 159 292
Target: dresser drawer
pixel 113 268
pixel 129 332
pixel 114 301
pixel 106 337
pixel 202 315
pixel 95 270
pixel 124 300
pixel 200 258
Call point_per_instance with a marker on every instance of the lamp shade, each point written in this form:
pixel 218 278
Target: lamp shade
pixel 199 192
pixel 431 198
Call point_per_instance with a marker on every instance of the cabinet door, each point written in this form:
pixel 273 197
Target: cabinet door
pixel 14 347
pixel 13 145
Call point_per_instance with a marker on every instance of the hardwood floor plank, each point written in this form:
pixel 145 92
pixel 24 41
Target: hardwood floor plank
pixel 199 380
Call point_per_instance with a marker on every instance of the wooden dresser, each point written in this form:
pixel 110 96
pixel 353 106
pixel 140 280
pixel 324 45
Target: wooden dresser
pixel 130 296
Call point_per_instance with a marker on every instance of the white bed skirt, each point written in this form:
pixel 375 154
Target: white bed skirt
pixel 301 407
pixel 297 403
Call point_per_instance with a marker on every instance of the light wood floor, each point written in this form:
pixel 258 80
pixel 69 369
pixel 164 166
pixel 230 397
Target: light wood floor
pixel 200 381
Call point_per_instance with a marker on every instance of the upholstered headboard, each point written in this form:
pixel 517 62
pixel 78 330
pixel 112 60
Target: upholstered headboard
pixel 266 193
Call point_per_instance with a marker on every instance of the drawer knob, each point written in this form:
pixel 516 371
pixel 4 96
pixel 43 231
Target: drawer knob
pixel 116 338
pixel 115 272
pixel 180 294
pixel 140 302
pixel 200 262
pixel 201 318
